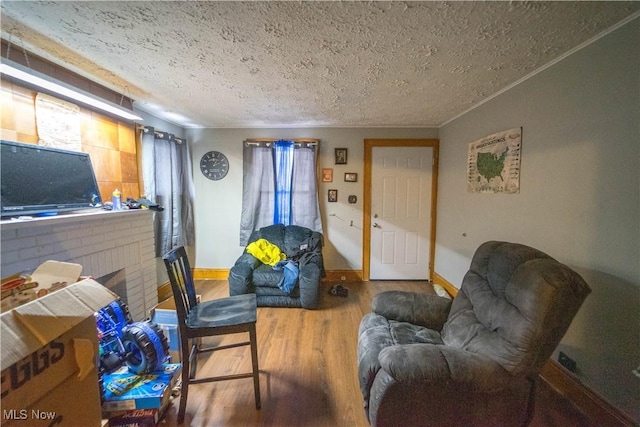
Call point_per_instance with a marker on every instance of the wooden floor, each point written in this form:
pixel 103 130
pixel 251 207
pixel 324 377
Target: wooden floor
pixel 308 368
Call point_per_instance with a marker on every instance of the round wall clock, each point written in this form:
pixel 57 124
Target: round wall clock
pixel 214 165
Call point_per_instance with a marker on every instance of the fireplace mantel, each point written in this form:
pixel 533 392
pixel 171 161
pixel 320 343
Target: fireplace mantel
pixel 103 242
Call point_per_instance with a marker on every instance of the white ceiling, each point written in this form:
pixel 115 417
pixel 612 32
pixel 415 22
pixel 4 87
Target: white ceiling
pixel 293 64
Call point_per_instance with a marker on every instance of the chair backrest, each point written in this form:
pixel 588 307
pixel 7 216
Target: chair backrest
pixel 287 238
pixel 179 272
pixel 514 306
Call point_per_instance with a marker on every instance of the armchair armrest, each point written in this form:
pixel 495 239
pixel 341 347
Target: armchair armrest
pixel 309 282
pixel 430 311
pixel 248 259
pixel 241 274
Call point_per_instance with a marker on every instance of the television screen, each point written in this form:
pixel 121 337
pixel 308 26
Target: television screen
pixel 37 180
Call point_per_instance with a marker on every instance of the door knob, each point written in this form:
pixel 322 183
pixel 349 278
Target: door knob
pixel 375 225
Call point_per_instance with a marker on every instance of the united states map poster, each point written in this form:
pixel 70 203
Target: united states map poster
pixel 494 163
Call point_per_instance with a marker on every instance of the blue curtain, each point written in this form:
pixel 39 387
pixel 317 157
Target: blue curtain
pixel 283 166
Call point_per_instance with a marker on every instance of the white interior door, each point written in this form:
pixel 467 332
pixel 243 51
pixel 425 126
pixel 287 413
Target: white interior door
pixel 400 213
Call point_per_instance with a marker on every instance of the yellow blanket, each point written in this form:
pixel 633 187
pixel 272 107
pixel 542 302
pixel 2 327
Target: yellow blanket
pixel 266 252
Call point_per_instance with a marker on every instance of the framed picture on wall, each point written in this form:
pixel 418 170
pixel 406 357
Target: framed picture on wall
pixel 332 195
pixel 351 177
pixel 327 175
pixel 341 156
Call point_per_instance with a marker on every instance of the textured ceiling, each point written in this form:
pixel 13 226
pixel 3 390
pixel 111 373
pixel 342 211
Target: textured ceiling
pixel 281 64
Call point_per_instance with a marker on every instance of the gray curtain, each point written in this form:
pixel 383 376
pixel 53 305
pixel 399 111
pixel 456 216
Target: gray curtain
pixel 304 203
pixel 258 188
pixel 166 172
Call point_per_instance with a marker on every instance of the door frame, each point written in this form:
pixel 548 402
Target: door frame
pixel 369 144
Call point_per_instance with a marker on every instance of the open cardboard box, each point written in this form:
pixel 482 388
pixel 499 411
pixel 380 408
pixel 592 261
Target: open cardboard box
pixel 49 353
pixel 50 276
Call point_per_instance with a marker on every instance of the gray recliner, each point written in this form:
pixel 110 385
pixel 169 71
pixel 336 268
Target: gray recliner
pixel 301 245
pixel 424 360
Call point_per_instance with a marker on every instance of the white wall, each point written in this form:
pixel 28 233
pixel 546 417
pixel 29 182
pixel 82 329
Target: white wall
pixel 219 203
pixel 159 124
pixel 579 197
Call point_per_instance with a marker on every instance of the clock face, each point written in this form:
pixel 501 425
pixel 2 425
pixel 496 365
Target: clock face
pixel 214 165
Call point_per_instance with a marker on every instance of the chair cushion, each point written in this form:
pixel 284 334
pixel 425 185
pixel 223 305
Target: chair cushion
pixel 421 309
pixel 379 331
pixel 376 333
pixel 294 236
pixel 223 312
pixel 265 275
pixel 272 233
pixel 265 282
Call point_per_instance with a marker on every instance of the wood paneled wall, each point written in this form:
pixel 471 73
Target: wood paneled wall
pixel 110 143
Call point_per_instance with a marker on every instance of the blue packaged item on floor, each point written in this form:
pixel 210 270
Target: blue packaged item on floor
pixel 125 390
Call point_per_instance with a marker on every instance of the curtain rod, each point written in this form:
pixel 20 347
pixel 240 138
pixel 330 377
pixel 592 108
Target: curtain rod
pixel 148 130
pixel 267 142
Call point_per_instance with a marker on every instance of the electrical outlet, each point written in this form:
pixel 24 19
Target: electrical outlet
pixel 567 362
pixel 343 278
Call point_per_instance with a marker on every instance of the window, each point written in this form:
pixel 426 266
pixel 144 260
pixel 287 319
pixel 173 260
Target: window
pixel 279 185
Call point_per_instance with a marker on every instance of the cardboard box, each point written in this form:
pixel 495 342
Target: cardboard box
pixel 49 351
pixel 150 391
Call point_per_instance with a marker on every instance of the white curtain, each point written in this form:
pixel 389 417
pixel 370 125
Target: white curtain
pixel 166 172
pixel 259 188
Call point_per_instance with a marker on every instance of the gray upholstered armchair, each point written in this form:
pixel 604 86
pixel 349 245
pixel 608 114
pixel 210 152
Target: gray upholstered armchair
pixel 300 244
pixel 424 360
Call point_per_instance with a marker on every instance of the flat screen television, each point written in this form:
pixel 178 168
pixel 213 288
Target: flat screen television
pixel 38 181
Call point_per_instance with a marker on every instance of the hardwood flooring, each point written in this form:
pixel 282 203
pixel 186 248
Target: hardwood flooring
pixel 308 368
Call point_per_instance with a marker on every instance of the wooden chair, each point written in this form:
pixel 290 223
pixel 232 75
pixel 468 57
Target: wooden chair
pixel 221 316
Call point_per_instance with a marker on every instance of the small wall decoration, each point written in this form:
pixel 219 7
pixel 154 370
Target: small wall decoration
pixel 493 163
pixel 353 198
pixel 351 177
pixel 341 156
pixel 327 175
pixel 333 195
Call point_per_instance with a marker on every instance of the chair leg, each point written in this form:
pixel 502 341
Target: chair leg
pixel 185 387
pixel 193 356
pixel 189 360
pixel 254 361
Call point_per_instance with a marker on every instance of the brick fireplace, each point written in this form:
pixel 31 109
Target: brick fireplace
pixel 116 248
